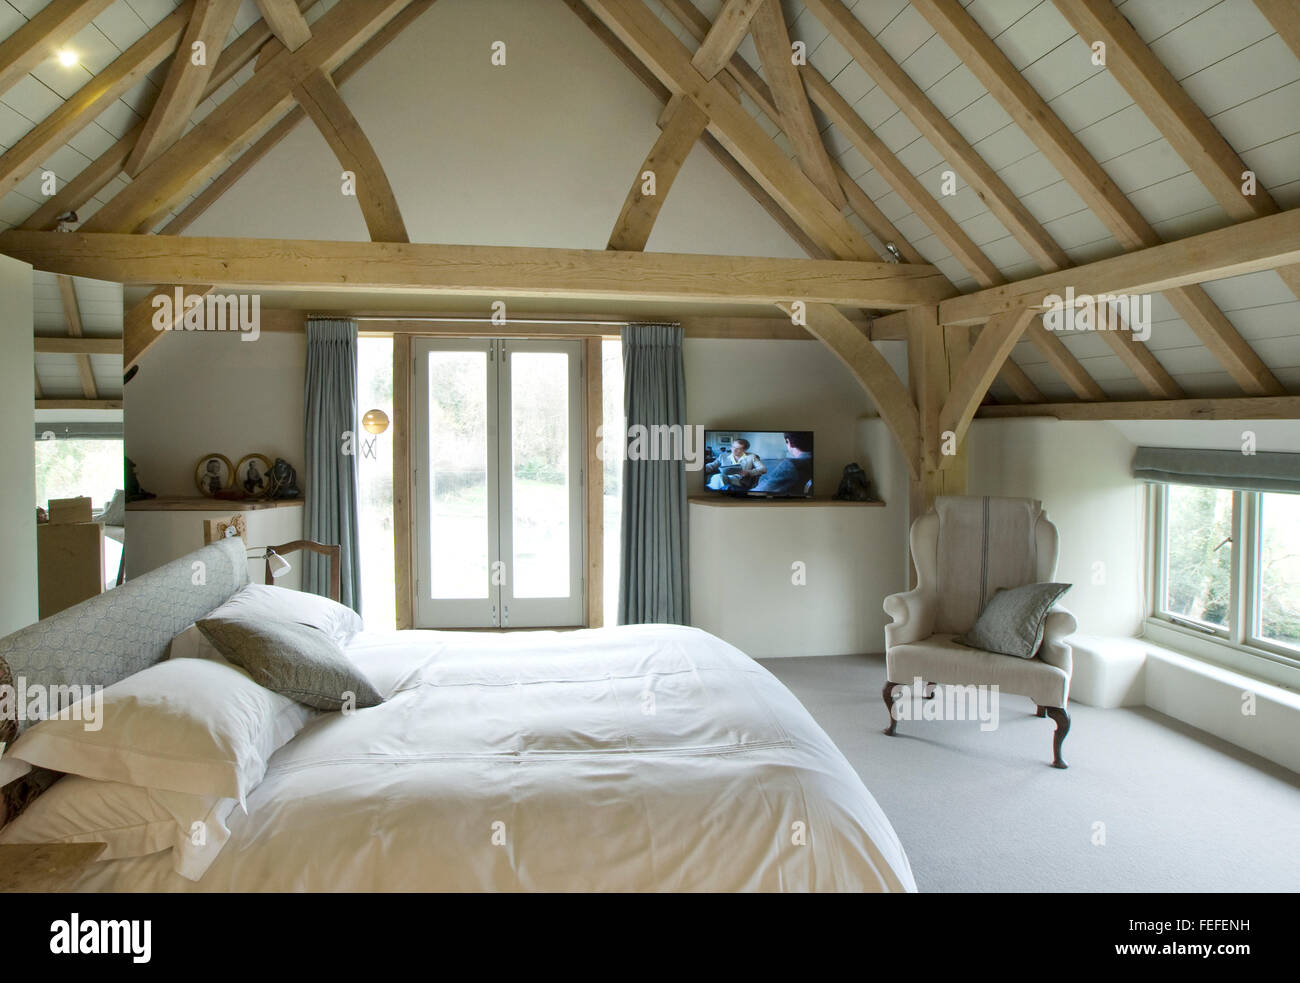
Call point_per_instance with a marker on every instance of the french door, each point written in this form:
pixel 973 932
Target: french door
pixel 498 485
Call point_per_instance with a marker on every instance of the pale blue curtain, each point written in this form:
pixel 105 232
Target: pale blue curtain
pixel 654 586
pixel 1265 471
pixel 330 507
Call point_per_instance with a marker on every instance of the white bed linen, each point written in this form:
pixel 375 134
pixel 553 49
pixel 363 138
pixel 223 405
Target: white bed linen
pixel 643 758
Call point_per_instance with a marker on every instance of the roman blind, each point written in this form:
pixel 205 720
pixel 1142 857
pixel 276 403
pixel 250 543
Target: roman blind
pixel 1265 471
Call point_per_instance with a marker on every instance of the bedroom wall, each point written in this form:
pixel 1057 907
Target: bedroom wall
pixel 214 393
pixel 1080 472
pixel 743 587
pixel 18 600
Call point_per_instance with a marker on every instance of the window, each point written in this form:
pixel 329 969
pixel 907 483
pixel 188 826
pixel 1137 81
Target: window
pixel 375 485
pixel 74 467
pixel 1228 565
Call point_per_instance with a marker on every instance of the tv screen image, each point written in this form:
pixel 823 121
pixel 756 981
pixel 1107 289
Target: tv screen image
pixel 770 463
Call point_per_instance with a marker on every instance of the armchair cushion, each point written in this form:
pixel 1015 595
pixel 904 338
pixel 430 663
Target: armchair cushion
pixel 1012 621
pixel 940 659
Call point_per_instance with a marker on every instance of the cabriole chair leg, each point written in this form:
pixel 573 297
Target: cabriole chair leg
pixel 888 694
pixel 1062 720
pixel 1040 712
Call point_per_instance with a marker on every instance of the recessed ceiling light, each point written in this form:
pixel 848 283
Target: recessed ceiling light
pixel 67 57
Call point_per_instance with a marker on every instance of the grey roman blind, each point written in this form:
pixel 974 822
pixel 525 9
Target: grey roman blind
pixel 1267 471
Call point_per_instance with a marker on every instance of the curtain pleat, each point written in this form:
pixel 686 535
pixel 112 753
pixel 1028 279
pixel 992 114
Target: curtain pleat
pixel 330 497
pixel 654 584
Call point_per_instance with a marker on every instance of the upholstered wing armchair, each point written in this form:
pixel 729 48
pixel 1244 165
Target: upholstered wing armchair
pixel 965 550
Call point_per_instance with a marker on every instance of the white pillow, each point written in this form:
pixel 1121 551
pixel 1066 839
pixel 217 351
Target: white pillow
pixel 133 821
pixel 185 725
pixel 258 602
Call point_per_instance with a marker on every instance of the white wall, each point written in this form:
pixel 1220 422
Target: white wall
pixel 741 555
pixel 18 599
pixel 539 152
pixel 1081 473
pixel 213 393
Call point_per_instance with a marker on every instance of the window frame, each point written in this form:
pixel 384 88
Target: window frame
pixel 1242 634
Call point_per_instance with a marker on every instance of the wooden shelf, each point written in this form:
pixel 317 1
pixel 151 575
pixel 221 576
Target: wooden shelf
pixel 730 501
pixel 197 504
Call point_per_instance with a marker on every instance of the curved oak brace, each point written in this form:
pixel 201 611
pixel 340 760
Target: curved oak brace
pixel 683 125
pixel 870 368
pixel 987 356
pixel 321 101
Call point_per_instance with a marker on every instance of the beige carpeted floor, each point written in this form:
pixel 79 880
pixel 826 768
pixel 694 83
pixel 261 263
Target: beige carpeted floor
pixel 983 811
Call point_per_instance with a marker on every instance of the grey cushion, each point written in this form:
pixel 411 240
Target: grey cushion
pixel 297 661
pixel 1012 621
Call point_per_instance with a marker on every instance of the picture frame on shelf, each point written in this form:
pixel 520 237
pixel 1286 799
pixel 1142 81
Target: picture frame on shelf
pixel 252 475
pixel 213 475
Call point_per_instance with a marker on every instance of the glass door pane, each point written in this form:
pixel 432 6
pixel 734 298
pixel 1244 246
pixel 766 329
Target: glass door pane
pixel 455 494
pixel 539 472
pixel 543 500
pixel 458 478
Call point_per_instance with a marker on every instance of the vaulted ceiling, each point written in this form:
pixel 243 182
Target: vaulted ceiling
pixel 980 136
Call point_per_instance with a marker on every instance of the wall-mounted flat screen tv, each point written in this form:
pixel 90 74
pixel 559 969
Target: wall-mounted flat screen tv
pixel 759 463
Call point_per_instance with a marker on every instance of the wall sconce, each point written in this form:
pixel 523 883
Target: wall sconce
pixel 375 421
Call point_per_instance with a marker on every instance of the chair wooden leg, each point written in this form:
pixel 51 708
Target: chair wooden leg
pixel 888 694
pixel 1041 711
pixel 1062 720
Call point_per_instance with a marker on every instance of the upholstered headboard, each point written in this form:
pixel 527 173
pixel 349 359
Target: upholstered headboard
pixel 107 638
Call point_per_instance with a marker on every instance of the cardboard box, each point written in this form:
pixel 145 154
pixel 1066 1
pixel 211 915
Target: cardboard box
pixel 69 510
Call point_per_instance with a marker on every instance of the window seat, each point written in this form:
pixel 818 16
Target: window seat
pixel 1117 672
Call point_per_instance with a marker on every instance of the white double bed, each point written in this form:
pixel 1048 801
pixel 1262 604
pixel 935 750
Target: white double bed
pixel 644 758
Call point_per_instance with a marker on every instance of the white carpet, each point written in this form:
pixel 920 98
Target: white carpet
pixel 984 811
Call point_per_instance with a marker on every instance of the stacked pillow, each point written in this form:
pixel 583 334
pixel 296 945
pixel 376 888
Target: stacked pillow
pixel 176 747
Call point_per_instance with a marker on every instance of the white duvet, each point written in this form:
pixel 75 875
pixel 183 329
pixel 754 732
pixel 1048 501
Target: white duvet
pixel 644 758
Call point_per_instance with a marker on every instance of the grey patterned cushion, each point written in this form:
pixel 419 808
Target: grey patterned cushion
pixel 1012 621
pixel 295 660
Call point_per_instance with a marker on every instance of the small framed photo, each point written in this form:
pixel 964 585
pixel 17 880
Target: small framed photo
pixel 253 475
pixel 213 474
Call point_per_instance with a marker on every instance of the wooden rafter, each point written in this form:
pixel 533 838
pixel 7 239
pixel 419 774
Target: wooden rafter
pixel 1232 408
pixel 729 30
pixel 241 166
pixel 286 22
pixel 912 101
pixel 36 40
pixel 1260 244
pixel 650 41
pixel 317 95
pixel 880 157
pixel 78 404
pixel 733 167
pixel 1063 361
pixel 1216 165
pixel 187 80
pixel 772 40
pixel 1284 15
pixel 91 99
pixel 476 270
pixel 97 175
pixel 683 124
pixel 72 315
pixel 237 122
pixel 77 345
pixel 748 80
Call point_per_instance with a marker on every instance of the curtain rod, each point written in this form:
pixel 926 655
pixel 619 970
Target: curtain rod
pixel 476 320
